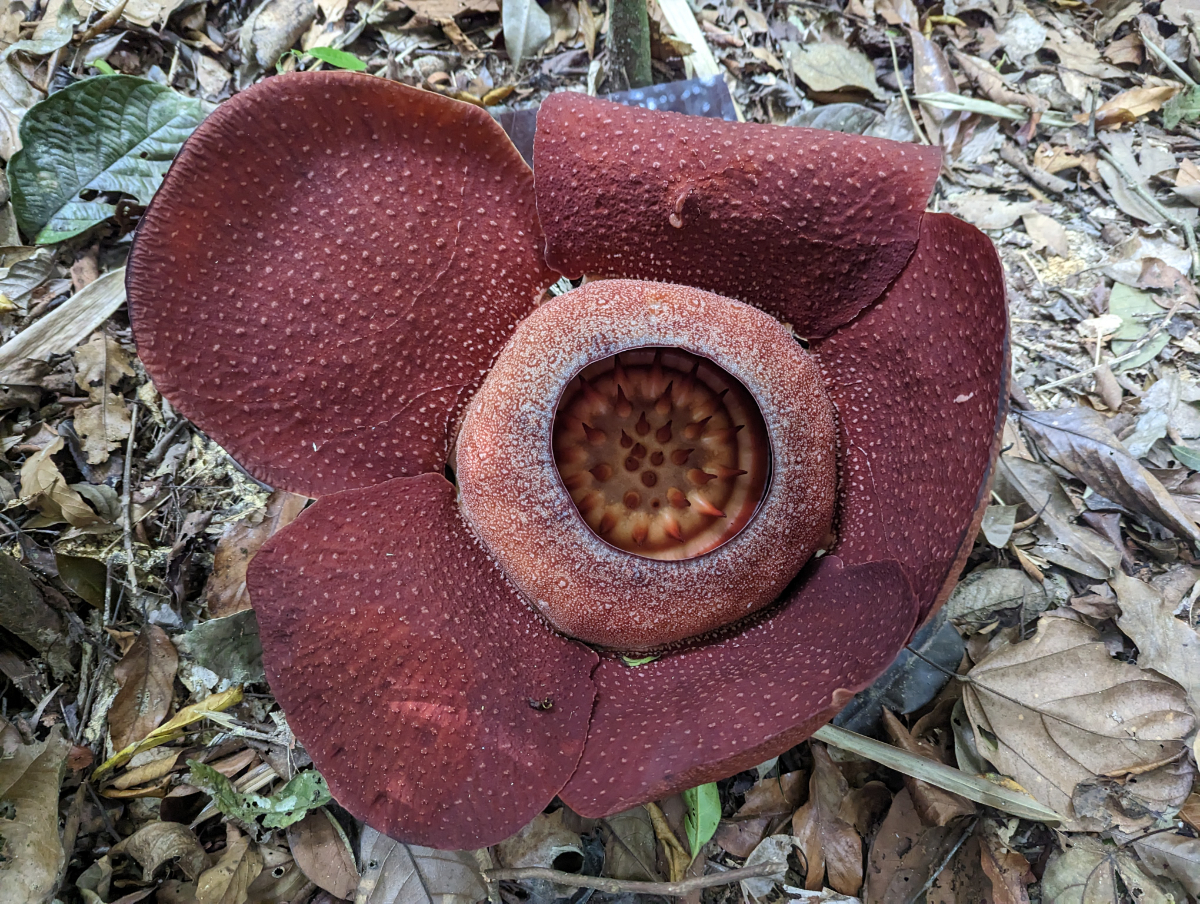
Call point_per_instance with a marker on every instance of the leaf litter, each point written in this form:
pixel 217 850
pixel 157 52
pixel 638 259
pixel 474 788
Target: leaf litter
pixel 1070 134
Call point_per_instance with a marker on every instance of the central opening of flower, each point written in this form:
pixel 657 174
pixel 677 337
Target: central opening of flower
pixel 664 453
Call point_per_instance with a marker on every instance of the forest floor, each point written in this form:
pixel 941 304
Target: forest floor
pixel 129 651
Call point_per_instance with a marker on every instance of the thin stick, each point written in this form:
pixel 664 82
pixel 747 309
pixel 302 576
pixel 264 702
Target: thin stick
pixel 917 130
pixel 1169 63
pixel 1146 195
pixel 1133 352
pixel 127 505
pixel 619 886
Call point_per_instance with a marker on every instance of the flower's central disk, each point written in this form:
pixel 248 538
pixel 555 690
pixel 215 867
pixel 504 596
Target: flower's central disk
pixel 664 454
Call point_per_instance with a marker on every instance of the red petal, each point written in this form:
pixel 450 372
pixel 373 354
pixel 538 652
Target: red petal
pixel 920 382
pixel 328 270
pixel 441 710
pixel 810 225
pixel 717 709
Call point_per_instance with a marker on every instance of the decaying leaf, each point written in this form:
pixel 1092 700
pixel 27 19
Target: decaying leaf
pixel 829 68
pixel 1060 539
pixel 904 853
pixel 1056 710
pixel 1171 855
pixel 29 617
pixel 225 592
pixel 630 851
pixel 307 791
pixel 100 365
pixel 768 805
pixel 1086 873
pixel 146 675
pixel 1165 643
pixel 228 882
pixel 1130 106
pixel 830 844
pixel 774 849
pixel 526 28
pixel 1080 440
pixel 158 842
pixel 978 598
pixel 229 647
pixel 44 489
pixel 1007 869
pixel 31 856
pixel 397 873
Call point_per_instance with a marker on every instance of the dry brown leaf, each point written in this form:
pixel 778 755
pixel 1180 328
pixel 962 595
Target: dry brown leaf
pixel 1190 811
pixel 903 854
pixel 1187 181
pixel 225 593
pixel 1046 233
pixel 1080 440
pixel 448 9
pixel 100 364
pixel 1086 873
pixel 1060 540
pixel 1130 106
pixel 44 489
pixel 1126 51
pixel 157 842
pixel 1173 856
pixel 1165 643
pixel 323 853
pixel 768 804
pixel 398 873
pixel 229 881
pixel 1056 711
pixel 1007 869
pixel 935 806
pixel 30 776
pixel 932 75
pixel 829 843
pixel 146 675
pixel 103 427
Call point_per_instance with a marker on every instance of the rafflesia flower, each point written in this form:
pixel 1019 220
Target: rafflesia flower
pixel 343 282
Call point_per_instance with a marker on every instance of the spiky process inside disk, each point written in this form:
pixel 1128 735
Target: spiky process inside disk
pixel 664 453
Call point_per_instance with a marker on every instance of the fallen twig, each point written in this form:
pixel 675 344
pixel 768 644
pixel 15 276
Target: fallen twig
pixel 1148 196
pixel 1042 179
pixel 619 886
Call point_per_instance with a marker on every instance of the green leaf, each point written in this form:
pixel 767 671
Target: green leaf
pixel 1136 309
pixel 110 133
pixel 1183 106
pixel 634 661
pixel 703 813
pixel 338 58
pixel 103 66
pixel 305 792
pixel 1189 458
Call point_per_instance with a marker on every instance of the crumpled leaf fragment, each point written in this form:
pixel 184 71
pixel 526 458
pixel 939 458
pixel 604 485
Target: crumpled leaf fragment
pixel 305 792
pixel 1056 710
pixel 158 842
pixel 225 593
pixel 33 855
pixel 1079 440
pixel 44 489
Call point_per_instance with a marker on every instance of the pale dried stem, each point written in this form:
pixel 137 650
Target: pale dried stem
pixel 620 886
